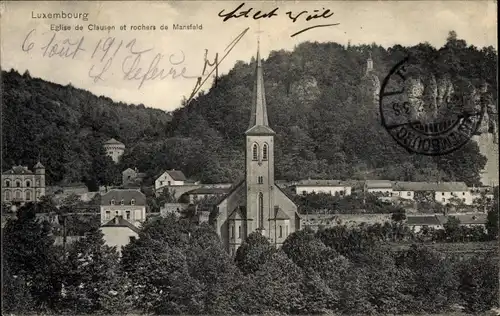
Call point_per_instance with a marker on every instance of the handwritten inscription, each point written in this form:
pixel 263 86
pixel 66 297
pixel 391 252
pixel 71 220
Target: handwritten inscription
pixel 134 61
pixel 242 12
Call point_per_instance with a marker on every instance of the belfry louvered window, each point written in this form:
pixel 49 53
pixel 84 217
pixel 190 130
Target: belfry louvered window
pixel 255 152
pixel 264 152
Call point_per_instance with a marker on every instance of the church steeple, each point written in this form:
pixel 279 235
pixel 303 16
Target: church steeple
pixel 258 115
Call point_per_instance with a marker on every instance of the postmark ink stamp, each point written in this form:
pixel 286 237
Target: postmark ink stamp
pixel 427 113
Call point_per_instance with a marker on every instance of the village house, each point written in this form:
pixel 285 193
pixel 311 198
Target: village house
pixel 448 192
pixel 199 194
pixel 21 185
pixel 332 187
pixel 382 187
pixel 122 213
pixel 132 177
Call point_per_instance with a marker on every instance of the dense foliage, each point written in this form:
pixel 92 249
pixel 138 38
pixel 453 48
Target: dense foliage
pixel 175 267
pixel 326 122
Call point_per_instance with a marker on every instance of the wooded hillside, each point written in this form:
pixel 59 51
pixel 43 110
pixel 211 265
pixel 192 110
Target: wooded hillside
pixel 318 102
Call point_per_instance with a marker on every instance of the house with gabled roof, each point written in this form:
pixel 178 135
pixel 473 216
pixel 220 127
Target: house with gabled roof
pixel 256 203
pixel 118 232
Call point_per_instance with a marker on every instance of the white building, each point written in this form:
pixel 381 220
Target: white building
pixel 114 149
pixel 122 212
pixel 378 186
pixel 170 178
pixel 332 187
pixel 447 192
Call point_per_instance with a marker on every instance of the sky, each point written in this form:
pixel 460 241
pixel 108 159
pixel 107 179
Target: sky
pixel 126 65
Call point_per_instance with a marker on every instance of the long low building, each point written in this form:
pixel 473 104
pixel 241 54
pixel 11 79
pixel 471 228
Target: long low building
pixel 332 187
pixel 437 221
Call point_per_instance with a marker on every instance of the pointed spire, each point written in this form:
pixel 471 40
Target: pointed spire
pixel 258 116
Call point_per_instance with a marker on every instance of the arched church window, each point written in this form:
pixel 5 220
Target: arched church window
pixel 18 184
pixel 255 152
pixel 7 183
pixel 264 152
pixel 28 195
pixel 261 210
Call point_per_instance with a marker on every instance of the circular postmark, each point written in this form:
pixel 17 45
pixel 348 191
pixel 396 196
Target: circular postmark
pixel 427 113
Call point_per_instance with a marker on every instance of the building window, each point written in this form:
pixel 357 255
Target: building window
pixel 37 194
pixel 264 152
pixel 261 210
pixel 28 183
pixel 132 202
pixel 261 179
pixel 7 183
pixel 281 232
pixel 232 232
pixel 442 193
pixel 7 195
pixel 112 202
pixel 463 193
pixel 341 193
pixel 168 182
pixel 108 215
pixel 255 152
pixel 18 194
pixel 37 183
pixel 286 230
pixel 18 184
pixel 122 202
pixel 444 200
pixel 28 195
pixel 304 192
pixel 239 231
pixel 161 182
pixel 408 193
pixel 127 214
pixel 463 199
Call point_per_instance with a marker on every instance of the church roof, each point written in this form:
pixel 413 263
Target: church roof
pixel 237 214
pixel 258 114
pixel 279 214
pixel 260 130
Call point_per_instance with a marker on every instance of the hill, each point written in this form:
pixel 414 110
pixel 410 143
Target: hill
pixel 319 104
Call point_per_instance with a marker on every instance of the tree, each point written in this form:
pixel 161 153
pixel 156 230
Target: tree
pixel 253 253
pixel 93 281
pixel 275 287
pixel 160 280
pixel 452 228
pixel 303 248
pixel 30 257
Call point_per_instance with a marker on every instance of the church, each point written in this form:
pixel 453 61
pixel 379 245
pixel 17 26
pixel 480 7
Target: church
pixel 256 203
